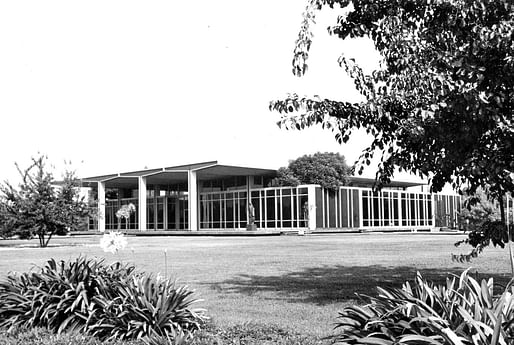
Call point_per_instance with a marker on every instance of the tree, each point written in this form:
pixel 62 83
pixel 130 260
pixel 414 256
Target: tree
pixel 440 105
pixel 481 219
pixel 326 169
pixel 38 208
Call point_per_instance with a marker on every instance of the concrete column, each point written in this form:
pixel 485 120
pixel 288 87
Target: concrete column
pixel 361 214
pixel 165 211
pixel 311 195
pixel 192 200
pixel 156 193
pixel 177 211
pixel 432 197
pixel 101 206
pixel 142 203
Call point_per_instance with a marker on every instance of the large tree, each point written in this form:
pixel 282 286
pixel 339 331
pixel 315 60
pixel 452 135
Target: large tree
pixel 441 103
pixel 327 169
pixel 37 208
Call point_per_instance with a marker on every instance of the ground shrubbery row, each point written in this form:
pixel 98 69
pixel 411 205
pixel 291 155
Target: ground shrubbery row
pixel 459 313
pixel 107 301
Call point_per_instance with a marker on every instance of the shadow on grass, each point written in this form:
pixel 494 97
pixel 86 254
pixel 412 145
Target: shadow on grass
pixel 327 285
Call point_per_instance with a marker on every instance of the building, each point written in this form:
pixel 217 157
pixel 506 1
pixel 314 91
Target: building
pixel 238 198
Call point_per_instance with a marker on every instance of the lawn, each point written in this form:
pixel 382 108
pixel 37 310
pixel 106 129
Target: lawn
pixel 295 282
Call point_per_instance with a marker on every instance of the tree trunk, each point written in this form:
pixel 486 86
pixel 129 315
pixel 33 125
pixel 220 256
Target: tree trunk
pixel 505 221
pixel 48 239
pixel 41 240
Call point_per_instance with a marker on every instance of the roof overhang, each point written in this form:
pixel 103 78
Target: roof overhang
pixel 175 174
pixel 369 182
pixel 218 171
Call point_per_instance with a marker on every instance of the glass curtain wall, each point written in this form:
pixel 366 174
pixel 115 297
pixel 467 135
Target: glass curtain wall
pixel 162 213
pixel 282 207
pixel 447 208
pixel 287 208
pixel 395 209
pixel 111 221
pixel 337 209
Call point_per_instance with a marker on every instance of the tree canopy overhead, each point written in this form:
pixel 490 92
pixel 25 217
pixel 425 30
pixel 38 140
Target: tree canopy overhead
pixel 441 103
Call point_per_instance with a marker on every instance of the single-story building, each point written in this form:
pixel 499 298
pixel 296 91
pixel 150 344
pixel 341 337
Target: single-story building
pixel 212 196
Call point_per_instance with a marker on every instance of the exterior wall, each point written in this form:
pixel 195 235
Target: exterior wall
pixel 289 208
pixel 355 207
pixel 447 209
pixel 274 208
pixel 162 213
pixel 338 209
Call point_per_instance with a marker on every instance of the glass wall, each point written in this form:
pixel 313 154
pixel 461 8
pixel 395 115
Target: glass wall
pixel 447 208
pixel 288 208
pixel 337 209
pixel 274 208
pixel 162 213
pixel 223 210
pixel 112 222
pixel 396 209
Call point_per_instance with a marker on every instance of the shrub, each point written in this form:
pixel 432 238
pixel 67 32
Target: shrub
pixel 109 301
pixel 460 312
pixel 146 307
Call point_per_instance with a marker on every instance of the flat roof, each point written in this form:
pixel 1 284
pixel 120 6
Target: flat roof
pixel 211 170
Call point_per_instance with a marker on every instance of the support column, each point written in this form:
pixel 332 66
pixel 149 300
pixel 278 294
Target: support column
pixel 192 200
pixel 165 213
pixel 156 194
pixel 142 203
pixel 101 206
pixel 311 195
pixel 432 198
pixel 361 214
pixel 177 211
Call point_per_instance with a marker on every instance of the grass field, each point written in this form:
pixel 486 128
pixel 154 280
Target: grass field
pixel 297 283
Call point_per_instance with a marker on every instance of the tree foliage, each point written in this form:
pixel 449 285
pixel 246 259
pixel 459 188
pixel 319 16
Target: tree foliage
pixel 481 220
pixel 440 105
pixel 38 208
pixel 326 169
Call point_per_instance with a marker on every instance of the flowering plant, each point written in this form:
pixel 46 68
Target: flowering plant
pixel 124 212
pixel 113 242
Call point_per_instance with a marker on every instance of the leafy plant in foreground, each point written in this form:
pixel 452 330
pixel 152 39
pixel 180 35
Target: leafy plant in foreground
pixel 149 308
pixel 461 312
pixel 109 301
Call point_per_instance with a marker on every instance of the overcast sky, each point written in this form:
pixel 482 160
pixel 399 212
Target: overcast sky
pixel 116 86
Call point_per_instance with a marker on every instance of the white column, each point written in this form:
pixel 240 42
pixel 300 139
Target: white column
pixel 165 213
pixel 249 183
pixel 156 194
pixel 192 200
pixel 311 196
pixel 142 203
pixel 101 206
pixel 432 197
pixel 361 214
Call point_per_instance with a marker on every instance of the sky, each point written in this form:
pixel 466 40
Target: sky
pixel 116 86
